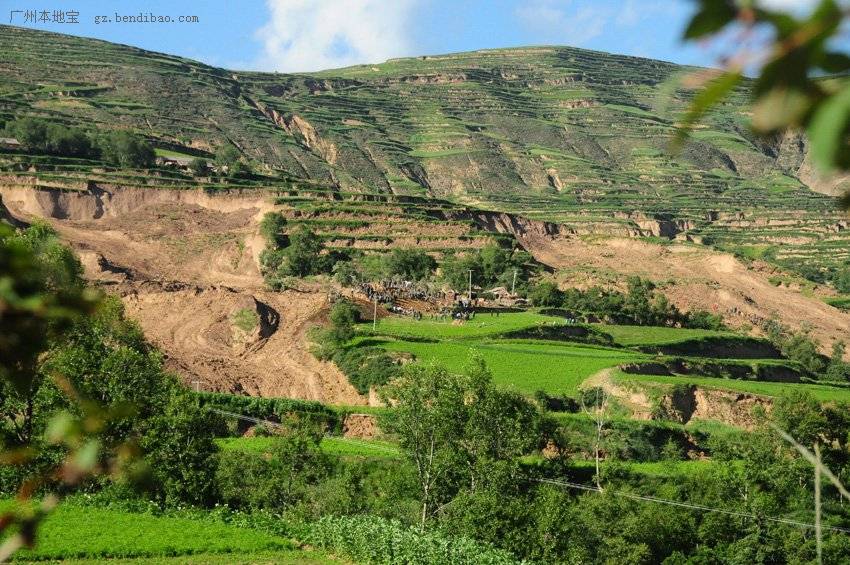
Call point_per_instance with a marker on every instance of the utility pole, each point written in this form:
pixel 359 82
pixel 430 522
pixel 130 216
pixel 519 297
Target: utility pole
pixel 470 287
pixel 375 314
pixel 513 285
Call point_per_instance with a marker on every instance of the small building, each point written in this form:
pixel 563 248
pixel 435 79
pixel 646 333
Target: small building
pixel 181 162
pixel 9 143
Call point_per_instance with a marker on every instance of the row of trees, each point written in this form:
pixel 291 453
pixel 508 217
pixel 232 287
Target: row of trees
pixel 119 148
pixel 639 305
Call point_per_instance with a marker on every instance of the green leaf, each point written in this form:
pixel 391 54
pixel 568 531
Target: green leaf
pixel 828 130
pixel 780 107
pixel 711 94
pixel 835 63
pixel 712 17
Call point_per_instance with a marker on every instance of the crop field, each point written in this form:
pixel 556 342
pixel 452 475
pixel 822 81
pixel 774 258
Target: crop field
pixel 525 366
pixel 79 532
pixel 824 393
pixel 631 336
pixel 483 325
pixel 338 446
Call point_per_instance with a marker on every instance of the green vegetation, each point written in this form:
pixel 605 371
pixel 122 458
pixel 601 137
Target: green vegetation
pixel 124 149
pixel 246 319
pixel 630 336
pixel 76 531
pixel 369 539
pixel 521 366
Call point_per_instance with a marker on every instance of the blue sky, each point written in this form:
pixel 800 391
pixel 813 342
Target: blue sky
pixel 305 35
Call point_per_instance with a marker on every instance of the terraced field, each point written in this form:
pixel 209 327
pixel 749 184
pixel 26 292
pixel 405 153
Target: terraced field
pixel 576 137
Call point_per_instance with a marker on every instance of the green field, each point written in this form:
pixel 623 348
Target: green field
pixel 821 392
pixel 344 447
pixel 79 532
pixel 483 325
pixel 631 336
pixel 525 366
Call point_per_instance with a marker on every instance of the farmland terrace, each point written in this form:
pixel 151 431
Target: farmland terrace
pixel 576 137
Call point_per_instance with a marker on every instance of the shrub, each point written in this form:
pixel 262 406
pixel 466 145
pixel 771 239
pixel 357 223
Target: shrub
pixel 410 264
pixel 51 138
pixel 366 367
pixel 369 539
pixel 123 149
pixel 199 167
pixel 546 293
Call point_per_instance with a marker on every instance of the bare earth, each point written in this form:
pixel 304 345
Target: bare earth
pixel 184 264
pixel 695 278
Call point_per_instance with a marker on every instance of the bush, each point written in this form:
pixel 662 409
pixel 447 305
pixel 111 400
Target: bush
pixel 369 539
pixel 278 479
pixel 123 149
pixel 51 138
pixel 366 367
pixel 410 264
pixel 546 293
pixel 199 167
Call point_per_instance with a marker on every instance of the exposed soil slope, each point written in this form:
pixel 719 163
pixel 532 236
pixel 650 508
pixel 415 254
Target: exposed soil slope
pixel 692 277
pixel 184 263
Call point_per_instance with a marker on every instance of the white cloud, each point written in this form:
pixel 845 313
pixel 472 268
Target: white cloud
pixel 788 5
pixel 311 35
pixel 563 20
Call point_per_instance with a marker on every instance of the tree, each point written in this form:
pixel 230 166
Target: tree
pixel 838 369
pixel 410 264
pixel 455 429
pixel 271 228
pixel 302 257
pixel 594 402
pixel 199 167
pixel 229 158
pixel 343 316
pixel 546 293
pixel 30 132
pixel 841 280
pixel 123 149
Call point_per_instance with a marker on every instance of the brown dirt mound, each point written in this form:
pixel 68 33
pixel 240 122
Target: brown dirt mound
pixel 185 265
pixel 361 426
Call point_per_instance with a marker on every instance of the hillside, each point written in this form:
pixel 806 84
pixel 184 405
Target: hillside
pixel 568 135
pixel 562 151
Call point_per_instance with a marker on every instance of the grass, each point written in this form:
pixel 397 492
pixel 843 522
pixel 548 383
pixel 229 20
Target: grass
pixel 160 152
pixel 246 319
pixel 524 366
pixel 823 393
pixel 632 336
pixel 342 447
pixel 79 532
pixel 483 325
pixel 283 557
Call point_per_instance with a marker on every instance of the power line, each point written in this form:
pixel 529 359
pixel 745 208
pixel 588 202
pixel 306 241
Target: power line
pixel 587 488
pixel 692 506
